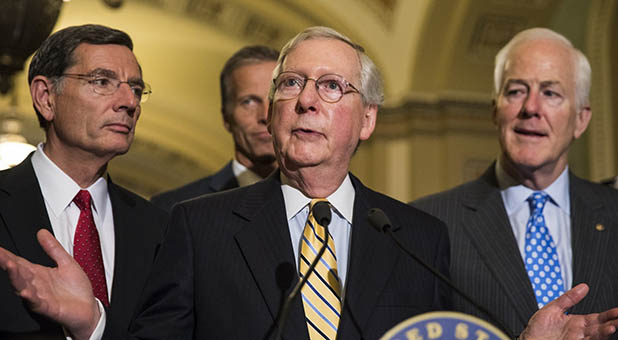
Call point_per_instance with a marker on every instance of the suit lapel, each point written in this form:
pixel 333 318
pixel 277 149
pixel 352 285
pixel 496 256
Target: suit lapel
pixel 266 247
pixel 23 211
pixel 487 225
pixel 372 258
pixel 589 244
pixel 126 237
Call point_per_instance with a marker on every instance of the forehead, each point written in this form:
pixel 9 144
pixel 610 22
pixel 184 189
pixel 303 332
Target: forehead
pixel 315 57
pixel 539 61
pixel 117 58
pixel 260 71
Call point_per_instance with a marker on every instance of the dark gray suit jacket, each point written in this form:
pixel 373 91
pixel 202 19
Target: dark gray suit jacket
pixel 227 264
pixel 138 228
pixel 223 179
pixel 486 262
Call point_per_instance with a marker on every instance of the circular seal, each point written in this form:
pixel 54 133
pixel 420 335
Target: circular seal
pixel 444 325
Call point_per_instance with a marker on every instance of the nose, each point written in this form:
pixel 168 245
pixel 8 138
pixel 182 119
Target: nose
pixel 126 99
pixel 531 104
pixel 308 98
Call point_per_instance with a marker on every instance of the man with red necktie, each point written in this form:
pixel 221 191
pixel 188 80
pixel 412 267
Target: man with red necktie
pixel 87 90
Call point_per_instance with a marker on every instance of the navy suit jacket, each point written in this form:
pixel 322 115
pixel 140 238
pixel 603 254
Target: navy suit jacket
pixel 486 262
pixel 138 228
pixel 223 179
pixel 227 265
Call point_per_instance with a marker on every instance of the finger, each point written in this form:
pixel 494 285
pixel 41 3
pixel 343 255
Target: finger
pixel 570 298
pixel 5 258
pixel 608 315
pixel 53 248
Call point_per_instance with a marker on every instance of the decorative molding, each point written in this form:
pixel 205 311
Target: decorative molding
pixel 491 33
pixel 231 17
pixel 602 141
pixel 524 4
pixel 437 115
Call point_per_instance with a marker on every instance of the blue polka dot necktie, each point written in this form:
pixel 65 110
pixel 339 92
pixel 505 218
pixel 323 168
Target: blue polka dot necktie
pixel 541 258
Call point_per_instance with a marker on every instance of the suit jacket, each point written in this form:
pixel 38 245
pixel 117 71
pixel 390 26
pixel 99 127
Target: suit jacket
pixel 227 264
pixel 223 179
pixel 486 262
pixel 138 227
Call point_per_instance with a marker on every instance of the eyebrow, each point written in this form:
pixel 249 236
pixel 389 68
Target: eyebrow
pixel 544 83
pixel 111 74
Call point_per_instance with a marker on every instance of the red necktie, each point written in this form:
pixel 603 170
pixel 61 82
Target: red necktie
pixel 87 247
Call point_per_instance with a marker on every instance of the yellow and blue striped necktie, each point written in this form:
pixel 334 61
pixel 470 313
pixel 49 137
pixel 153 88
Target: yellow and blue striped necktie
pixel 322 293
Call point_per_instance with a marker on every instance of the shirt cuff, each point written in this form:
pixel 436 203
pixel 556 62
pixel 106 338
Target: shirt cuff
pixel 97 334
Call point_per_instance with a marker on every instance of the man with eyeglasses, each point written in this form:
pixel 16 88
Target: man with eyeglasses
pixel 87 90
pixel 229 260
pixel 245 81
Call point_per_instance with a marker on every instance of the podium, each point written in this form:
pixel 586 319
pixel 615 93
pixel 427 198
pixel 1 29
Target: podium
pixel 444 325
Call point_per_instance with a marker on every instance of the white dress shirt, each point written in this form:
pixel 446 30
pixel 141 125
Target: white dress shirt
pixel 340 227
pixel 58 191
pixel 557 214
pixel 244 176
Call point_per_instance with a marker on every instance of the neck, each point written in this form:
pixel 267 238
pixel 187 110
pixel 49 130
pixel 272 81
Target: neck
pixel 535 178
pixel 314 182
pixel 81 166
pixel 261 167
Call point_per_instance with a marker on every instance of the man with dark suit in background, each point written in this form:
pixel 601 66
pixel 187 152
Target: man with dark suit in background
pixel 244 82
pixel 229 259
pixel 86 88
pixel 528 229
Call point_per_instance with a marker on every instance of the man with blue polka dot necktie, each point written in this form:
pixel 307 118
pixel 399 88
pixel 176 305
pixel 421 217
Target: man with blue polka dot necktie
pixel 528 232
pixel 542 263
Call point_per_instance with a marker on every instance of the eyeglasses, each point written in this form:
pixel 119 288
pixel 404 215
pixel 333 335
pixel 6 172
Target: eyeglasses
pixel 107 86
pixel 330 87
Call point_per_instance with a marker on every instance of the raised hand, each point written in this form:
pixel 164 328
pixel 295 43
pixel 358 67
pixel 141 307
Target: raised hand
pixel 551 322
pixel 63 293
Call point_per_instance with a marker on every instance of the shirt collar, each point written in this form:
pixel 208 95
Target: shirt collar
pixel 59 189
pixel 244 175
pixel 515 194
pixel 342 200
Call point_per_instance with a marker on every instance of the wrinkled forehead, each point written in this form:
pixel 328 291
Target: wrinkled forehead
pixel 541 60
pixel 115 58
pixel 319 56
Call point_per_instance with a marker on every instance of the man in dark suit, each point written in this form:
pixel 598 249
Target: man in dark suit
pixel 232 257
pixel 541 105
pixel 245 81
pixel 86 87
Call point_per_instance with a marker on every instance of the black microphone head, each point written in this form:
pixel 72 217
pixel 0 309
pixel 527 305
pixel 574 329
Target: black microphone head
pixel 378 219
pixel 321 213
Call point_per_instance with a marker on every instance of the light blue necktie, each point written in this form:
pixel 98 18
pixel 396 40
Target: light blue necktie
pixel 541 260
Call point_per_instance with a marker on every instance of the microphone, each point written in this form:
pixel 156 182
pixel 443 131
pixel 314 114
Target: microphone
pixel 378 219
pixel 321 213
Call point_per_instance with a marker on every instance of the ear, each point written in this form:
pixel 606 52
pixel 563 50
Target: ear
pixel 582 119
pixel 43 97
pixel 370 115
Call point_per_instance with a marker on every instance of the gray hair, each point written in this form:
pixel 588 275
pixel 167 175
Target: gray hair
pixel 371 87
pixel 582 69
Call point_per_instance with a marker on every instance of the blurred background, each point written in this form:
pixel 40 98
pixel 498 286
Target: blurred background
pixel 436 56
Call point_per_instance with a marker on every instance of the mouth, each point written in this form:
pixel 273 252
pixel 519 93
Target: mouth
pixel 119 127
pixel 529 132
pixel 302 132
